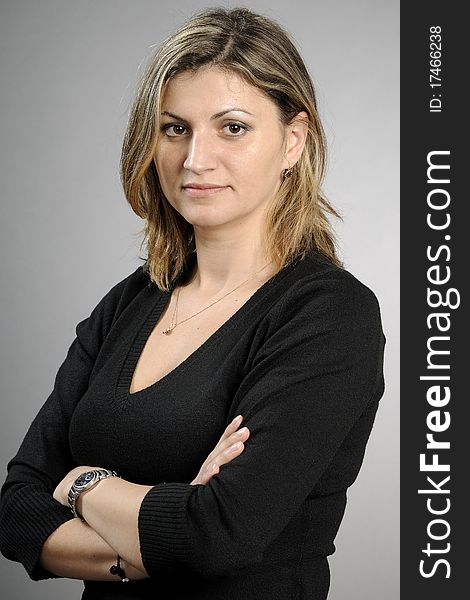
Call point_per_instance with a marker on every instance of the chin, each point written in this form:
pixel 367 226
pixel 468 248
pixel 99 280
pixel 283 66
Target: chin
pixel 207 216
pixel 210 221
pixel 207 223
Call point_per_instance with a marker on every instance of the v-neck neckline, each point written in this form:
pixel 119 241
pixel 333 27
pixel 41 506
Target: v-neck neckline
pixel 122 391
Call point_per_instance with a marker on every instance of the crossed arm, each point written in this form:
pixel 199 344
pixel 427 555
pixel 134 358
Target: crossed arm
pixel 329 368
pixel 86 549
pixel 76 551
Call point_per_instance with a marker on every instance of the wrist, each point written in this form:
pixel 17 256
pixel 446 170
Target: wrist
pixel 125 571
pixel 86 481
pixel 86 498
pixel 118 570
pixel 79 501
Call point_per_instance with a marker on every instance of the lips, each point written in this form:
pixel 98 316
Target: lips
pixel 203 186
pixel 201 190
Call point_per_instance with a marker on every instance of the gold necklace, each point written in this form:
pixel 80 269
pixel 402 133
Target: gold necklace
pixel 173 323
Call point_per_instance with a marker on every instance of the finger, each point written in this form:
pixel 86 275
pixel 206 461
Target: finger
pixel 212 468
pixel 237 436
pixel 231 428
pixel 229 453
pixel 205 474
pixel 241 435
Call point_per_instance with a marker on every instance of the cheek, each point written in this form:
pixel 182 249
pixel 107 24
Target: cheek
pixel 166 164
pixel 255 178
pixel 260 162
pixel 265 148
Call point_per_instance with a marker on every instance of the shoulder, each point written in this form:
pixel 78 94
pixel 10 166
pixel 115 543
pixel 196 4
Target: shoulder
pixel 326 306
pixel 322 287
pixel 326 320
pixel 113 303
pixel 123 292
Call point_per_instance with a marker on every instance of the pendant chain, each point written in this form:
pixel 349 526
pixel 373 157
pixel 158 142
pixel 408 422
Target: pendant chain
pixel 174 324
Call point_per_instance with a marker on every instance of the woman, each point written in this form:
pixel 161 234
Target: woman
pixel 241 308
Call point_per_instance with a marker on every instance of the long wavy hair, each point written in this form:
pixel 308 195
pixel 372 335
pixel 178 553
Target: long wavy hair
pixel 261 52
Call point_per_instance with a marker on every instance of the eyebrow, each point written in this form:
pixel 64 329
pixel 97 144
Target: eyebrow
pixel 216 116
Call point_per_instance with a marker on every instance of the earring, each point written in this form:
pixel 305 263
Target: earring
pixel 287 173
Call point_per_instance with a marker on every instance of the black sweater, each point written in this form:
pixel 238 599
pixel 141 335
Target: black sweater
pixel 301 360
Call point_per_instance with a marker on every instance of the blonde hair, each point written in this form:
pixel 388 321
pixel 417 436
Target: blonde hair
pixel 261 52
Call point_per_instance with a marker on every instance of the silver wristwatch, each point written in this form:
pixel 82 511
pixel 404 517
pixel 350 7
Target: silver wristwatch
pixel 84 482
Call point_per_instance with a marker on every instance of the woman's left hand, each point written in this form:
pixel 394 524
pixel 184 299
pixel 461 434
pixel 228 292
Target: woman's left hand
pixel 62 490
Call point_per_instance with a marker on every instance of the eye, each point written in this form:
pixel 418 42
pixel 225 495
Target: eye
pixel 176 131
pixel 236 129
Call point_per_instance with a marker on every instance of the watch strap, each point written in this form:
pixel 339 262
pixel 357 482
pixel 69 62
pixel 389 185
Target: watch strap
pixel 93 477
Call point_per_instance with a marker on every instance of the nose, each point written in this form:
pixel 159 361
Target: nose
pixel 201 153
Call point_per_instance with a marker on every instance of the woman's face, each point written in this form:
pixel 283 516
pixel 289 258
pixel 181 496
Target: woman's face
pixel 220 131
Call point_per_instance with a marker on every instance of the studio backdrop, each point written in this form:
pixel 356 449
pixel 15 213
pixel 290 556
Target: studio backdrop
pixel 68 74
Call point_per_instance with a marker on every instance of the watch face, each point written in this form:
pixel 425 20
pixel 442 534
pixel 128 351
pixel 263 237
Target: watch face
pixel 84 478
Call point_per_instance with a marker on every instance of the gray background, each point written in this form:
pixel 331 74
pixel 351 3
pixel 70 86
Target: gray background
pixel 68 72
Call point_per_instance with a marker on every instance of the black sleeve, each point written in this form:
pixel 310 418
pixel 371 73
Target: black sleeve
pixel 318 371
pixel 28 512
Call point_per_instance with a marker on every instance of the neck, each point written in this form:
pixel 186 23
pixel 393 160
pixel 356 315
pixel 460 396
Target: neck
pixel 225 263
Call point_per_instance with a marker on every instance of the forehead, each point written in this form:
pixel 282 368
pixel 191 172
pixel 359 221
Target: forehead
pixel 209 89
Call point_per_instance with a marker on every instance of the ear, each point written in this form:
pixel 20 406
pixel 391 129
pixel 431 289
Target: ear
pixel 296 135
